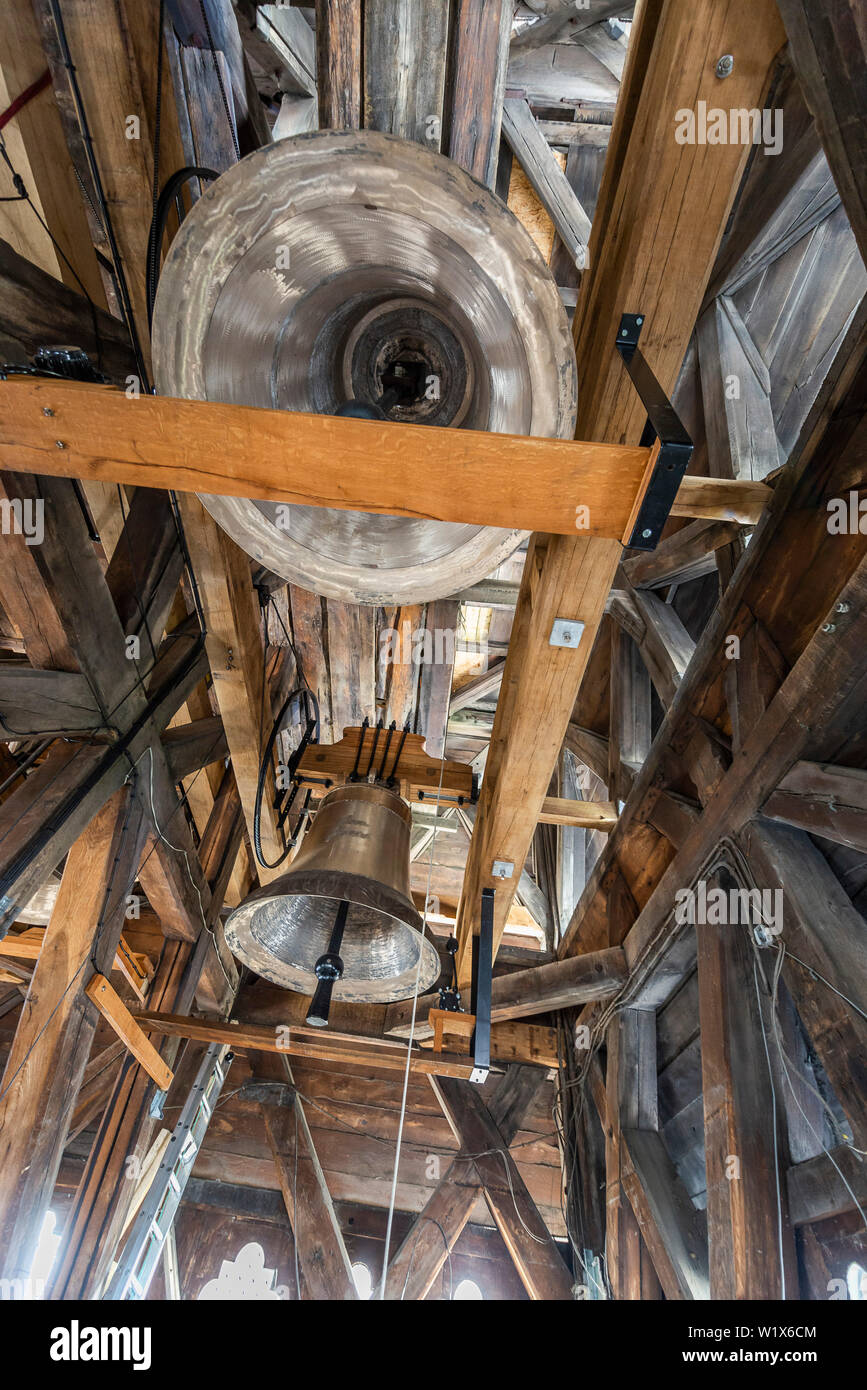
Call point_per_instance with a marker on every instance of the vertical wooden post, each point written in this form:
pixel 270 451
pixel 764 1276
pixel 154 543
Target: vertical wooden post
pixel 338 63
pixel 751 1242
pixel 52 1042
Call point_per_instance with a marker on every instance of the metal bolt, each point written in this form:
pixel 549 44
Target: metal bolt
pixel 567 636
pixel 829 627
pixel 646 533
pixel 639 321
pixel 46 410
pixel 60 444
pixel 843 607
pixel 725 65
pixel 624 332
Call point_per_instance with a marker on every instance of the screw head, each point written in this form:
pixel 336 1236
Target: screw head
pixel 843 607
pixel 646 533
pixel 46 410
pixel 725 65
pixel 829 627
pixel 60 444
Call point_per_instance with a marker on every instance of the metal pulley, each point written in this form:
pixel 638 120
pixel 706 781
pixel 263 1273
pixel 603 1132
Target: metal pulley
pixel 354 267
pixel 342 917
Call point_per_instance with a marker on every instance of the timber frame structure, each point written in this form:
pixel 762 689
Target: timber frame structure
pixel 677 1104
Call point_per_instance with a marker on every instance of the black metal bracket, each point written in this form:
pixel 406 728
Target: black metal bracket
pixel 664 424
pixel 480 1004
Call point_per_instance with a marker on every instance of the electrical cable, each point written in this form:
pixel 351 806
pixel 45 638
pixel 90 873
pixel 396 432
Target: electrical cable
pixel 123 288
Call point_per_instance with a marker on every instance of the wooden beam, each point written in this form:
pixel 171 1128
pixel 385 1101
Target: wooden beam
pixel 424 1250
pixel 629 735
pixel 536 158
pixel 235 652
pixel 479 57
pixel 36 308
pixel 338 63
pixel 828 1185
pixel 663 272
pixel 687 554
pixel 396 469
pixel 588 815
pixel 315 1228
pixel 820 926
pixel 34 703
pixel 49 1052
pixel 536 1257
pixel 667 647
pixel 198 744
pixel 36 146
pixel 670 1224
pixel 825 800
pixel 740 1118
pixel 540 989
pixel 828 54
pixel 99 991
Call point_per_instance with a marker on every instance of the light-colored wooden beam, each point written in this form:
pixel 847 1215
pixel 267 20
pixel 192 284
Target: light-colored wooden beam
pixel 652 254
pixel 588 815
pixel 100 992
pixel 97 433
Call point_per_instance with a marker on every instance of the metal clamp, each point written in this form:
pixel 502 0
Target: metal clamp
pixel 663 423
pixel 483 970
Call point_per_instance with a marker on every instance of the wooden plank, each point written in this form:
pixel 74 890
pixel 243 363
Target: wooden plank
pixel 664 271
pixel 435 680
pixel 351 657
pixel 825 1186
pixel 534 154
pixel 828 53
pixel 536 1257
pixel 99 991
pixel 197 744
pixel 405 46
pixel 825 800
pixel 739 421
pixel 590 815
pixel 669 1223
pixel 667 647
pixel 36 703
pixel 399 470
pixel 480 52
pixel 47 1059
pixel 685 555
pixel 338 63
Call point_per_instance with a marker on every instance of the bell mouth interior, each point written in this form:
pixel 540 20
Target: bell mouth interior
pixel 282 937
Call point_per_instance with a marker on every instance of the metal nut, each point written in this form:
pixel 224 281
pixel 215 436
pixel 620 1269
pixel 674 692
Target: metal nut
pixel 725 65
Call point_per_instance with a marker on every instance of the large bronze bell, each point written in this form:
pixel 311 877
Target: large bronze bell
pixel 347 899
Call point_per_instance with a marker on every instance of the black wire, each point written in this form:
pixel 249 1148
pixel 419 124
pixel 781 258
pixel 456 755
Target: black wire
pixel 216 63
pixel 162 209
pixel 123 288
pixel 23 196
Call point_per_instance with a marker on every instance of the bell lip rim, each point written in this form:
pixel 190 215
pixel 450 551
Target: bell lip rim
pixel 408 913
pixel 255 957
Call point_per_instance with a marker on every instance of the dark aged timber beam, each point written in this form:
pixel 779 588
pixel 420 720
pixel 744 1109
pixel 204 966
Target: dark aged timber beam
pixel 330 461
pixel 652 254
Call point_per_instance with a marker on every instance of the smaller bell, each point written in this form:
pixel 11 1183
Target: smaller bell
pixel 342 920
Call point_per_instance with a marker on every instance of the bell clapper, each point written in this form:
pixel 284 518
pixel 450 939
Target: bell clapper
pixel 328 970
